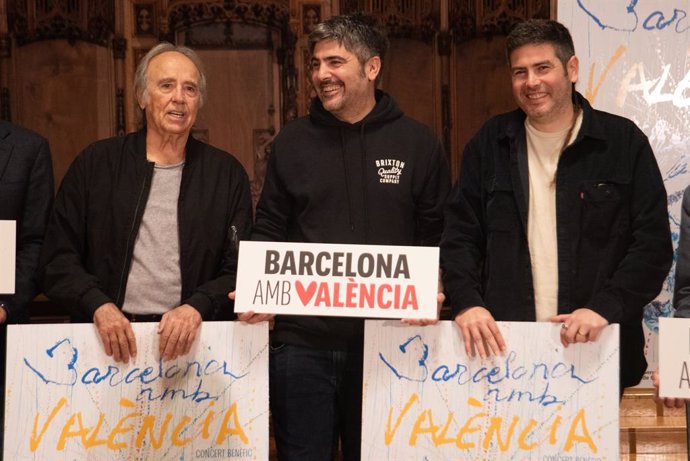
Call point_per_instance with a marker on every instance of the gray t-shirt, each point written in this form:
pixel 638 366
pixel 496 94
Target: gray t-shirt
pixel 154 284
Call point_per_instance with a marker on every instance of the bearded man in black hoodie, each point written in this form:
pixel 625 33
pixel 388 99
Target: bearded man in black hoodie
pixel 355 170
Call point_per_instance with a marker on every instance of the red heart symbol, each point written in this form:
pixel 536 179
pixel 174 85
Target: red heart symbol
pixel 305 295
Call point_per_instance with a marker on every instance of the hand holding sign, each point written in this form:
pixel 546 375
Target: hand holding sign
pixel 178 330
pixel 251 317
pixel 479 330
pixel 580 326
pixel 668 402
pixel 115 332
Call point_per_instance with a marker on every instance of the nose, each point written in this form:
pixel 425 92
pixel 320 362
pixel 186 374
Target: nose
pixel 532 78
pixel 320 73
pixel 178 94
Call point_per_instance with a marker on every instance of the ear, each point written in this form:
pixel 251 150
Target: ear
pixel 372 68
pixel 143 100
pixel 573 69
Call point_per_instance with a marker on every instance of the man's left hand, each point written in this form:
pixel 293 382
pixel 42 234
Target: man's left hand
pixel 580 326
pixel 3 315
pixel 177 330
pixel 440 298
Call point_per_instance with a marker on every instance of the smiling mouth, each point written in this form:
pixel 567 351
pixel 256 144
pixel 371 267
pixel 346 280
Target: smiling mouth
pixel 535 96
pixel 176 114
pixel 330 89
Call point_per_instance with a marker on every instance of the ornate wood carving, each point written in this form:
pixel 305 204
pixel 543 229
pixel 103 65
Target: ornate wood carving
pixel 413 19
pixel 473 18
pixel 225 19
pixel 88 20
pixel 185 15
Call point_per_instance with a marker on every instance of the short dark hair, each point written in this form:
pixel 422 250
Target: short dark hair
pixel 539 31
pixel 360 34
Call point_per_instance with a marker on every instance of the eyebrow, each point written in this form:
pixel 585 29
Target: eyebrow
pixel 184 82
pixel 332 57
pixel 536 64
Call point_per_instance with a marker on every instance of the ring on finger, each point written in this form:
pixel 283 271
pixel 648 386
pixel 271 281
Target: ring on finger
pixel 565 326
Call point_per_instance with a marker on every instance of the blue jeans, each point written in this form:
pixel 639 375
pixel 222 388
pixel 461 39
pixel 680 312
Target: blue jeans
pixel 316 400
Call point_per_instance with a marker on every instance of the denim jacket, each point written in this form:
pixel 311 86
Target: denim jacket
pixel 613 237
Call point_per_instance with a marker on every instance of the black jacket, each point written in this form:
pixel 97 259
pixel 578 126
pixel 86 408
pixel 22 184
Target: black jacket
pixel 614 245
pixel 380 181
pixel 98 210
pixel 681 288
pixel 26 196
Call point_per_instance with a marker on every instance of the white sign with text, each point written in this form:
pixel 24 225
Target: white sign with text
pixel 674 357
pixel 337 280
pixel 8 248
pixel 66 400
pixel 425 399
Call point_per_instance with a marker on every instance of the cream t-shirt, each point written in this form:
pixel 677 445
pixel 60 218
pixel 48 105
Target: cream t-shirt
pixel 543 152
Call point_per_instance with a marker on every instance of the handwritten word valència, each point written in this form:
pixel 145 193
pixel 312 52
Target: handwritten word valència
pixel 152 431
pixel 525 435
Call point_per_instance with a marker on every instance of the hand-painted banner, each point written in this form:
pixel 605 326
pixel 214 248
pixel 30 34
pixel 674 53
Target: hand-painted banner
pixel 66 400
pixel 337 280
pixel 424 399
pixel 674 357
pixel 8 242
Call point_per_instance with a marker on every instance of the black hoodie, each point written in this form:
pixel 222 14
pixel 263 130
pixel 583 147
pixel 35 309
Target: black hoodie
pixel 382 181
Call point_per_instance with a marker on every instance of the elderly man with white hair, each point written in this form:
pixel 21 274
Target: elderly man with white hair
pixel 145 226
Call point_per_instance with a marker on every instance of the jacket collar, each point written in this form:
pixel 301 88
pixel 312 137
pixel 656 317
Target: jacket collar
pixel 191 148
pixel 515 125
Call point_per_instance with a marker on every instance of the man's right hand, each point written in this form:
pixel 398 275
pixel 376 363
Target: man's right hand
pixel 479 328
pixel 666 401
pixel 116 332
pixel 250 316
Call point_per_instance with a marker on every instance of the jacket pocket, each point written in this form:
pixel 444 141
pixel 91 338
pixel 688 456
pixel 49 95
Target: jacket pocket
pixel 501 209
pixel 603 209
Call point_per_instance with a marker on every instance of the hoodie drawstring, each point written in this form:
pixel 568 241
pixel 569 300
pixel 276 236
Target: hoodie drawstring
pixel 365 208
pixel 347 180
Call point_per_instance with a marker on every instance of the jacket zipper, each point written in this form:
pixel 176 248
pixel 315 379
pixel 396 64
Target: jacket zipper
pixel 132 236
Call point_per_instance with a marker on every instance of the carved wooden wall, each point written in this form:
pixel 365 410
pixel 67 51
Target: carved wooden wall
pixel 66 66
pixel 58 71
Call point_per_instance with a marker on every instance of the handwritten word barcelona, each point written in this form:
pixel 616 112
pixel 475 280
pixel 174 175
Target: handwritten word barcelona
pixel 629 17
pixel 151 383
pixel 347 293
pixel 512 380
pixel 661 87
